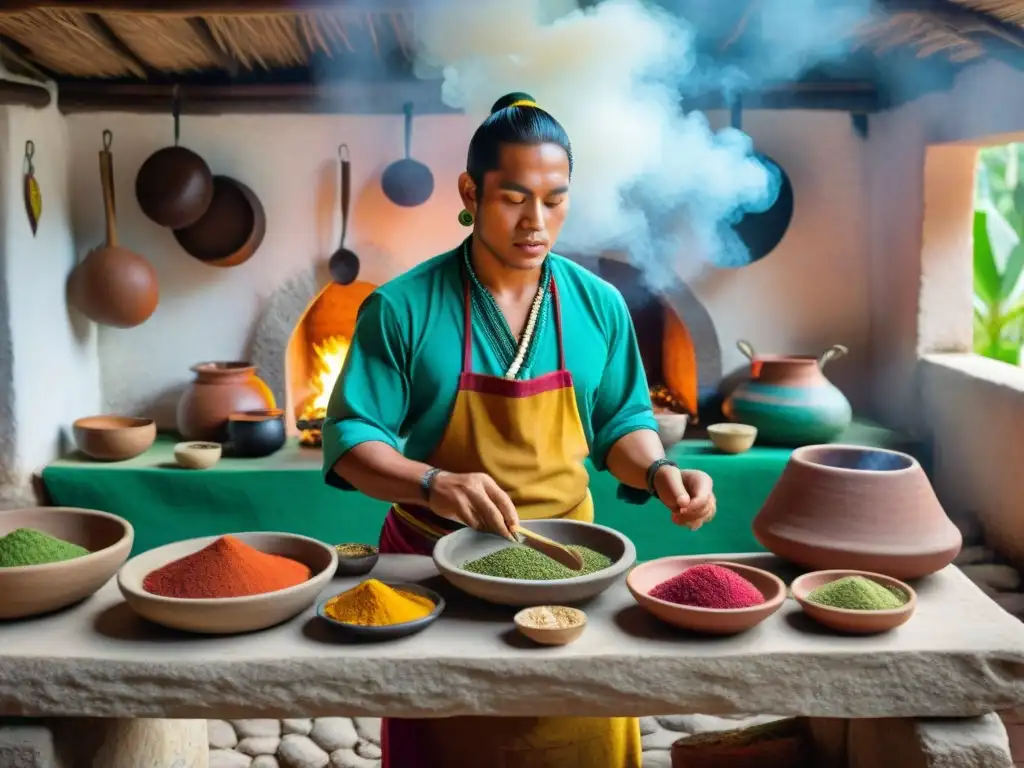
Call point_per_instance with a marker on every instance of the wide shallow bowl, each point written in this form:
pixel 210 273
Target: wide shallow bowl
pixel 845 620
pixel 732 438
pixel 456 549
pixel 113 438
pixel 544 635
pixel 391 631
pixel 197 454
pixel 858 508
pixel 229 615
pixel 355 565
pixel 29 590
pixel 712 621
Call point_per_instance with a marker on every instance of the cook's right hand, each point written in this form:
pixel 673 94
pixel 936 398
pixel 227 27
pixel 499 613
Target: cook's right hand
pixel 474 500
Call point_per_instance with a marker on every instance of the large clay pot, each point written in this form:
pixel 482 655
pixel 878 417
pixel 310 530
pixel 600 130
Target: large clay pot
pixel 218 390
pixel 868 509
pixel 789 399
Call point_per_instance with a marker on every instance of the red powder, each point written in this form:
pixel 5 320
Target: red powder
pixel 709 586
pixel 226 568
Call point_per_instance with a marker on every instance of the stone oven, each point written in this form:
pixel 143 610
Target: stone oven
pixel 302 338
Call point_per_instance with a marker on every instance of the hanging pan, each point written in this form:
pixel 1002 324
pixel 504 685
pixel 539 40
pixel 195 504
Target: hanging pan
pixel 174 186
pixel 761 232
pixel 408 182
pixel 344 264
pixel 232 228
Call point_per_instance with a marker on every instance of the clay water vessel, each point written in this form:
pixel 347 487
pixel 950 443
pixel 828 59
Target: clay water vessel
pixel 857 508
pixel 788 399
pixel 218 390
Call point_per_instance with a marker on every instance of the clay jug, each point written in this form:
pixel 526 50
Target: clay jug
pixel 789 399
pixel 859 508
pixel 218 390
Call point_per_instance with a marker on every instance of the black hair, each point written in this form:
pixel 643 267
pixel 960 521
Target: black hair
pixel 512 123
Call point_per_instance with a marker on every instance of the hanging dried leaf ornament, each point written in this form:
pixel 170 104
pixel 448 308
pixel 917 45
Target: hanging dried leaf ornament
pixel 33 195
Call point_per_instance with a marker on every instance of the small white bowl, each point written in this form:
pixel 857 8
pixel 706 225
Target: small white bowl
pixel 732 438
pixel 197 454
pixel 545 635
pixel 671 427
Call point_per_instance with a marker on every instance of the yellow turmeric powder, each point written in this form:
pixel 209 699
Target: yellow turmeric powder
pixel 375 604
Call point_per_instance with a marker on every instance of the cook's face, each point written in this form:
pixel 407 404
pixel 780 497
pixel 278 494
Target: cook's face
pixel 523 204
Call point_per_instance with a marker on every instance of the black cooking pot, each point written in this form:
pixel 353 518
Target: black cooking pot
pixel 761 232
pixel 253 434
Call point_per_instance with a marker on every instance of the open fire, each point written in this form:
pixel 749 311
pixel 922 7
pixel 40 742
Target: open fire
pixel 328 359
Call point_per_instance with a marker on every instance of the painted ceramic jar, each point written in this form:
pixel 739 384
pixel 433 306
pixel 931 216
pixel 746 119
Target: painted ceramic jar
pixel 218 390
pixel 789 399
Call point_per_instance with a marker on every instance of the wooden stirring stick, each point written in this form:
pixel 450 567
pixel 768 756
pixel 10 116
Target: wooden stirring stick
pixel 552 549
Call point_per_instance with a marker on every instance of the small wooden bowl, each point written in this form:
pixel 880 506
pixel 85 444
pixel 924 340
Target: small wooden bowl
pixel 197 455
pixel 355 565
pixel 390 631
pixel 113 438
pixel 712 621
pixel 850 621
pixel 545 635
pixel 732 438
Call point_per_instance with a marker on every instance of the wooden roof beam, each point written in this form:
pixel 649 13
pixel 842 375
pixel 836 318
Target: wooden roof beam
pixel 23 94
pixel 212 7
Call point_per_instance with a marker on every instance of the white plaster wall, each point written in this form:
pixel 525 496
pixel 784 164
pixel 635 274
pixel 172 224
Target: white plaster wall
pixel 919 163
pixel 54 368
pixel 810 293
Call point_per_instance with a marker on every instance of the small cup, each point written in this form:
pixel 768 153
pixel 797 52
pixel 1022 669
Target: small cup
pixel 528 625
pixel 254 434
pixel 671 427
pixel 732 438
pixel 197 455
pixel 852 621
pixel 355 564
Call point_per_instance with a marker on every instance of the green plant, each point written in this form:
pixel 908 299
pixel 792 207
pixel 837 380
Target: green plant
pixel 998 298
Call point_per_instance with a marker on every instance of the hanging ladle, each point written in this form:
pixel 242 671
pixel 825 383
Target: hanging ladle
pixel 344 264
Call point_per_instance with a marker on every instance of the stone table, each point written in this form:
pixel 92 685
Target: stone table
pixel 960 656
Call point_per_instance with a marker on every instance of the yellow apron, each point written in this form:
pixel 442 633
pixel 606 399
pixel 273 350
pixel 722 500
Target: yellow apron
pixel 527 435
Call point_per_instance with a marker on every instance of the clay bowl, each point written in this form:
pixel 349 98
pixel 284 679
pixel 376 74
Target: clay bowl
pixel 544 635
pixel 456 549
pixel 858 508
pixel 230 615
pixel 845 620
pixel 254 434
pixel 393 631
pixel 197 455
pixel 671 427
pixel 30 590
pixel 355 565
pixel 711 621
pixel 113 438
pixel 732 438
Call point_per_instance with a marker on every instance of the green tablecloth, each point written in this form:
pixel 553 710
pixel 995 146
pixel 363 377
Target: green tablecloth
pixel 285 492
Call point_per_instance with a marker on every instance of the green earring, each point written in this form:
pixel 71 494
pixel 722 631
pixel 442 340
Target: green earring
pixel 465 218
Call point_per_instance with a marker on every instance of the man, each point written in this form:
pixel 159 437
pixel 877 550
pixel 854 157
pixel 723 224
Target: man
pixel 502 366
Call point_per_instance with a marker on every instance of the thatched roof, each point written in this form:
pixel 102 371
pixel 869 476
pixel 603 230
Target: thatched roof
pixel 274 41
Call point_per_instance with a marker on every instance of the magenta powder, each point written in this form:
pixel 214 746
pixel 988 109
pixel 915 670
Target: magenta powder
pixel 709 586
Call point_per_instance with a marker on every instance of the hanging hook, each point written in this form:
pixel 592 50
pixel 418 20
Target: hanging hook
pixel 108 139
pixel 343 152
pixel 30 151
pixel 176 111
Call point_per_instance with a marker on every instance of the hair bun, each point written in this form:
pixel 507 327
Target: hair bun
pixel 509 99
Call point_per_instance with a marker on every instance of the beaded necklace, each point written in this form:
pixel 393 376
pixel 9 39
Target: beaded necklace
pixel 516 357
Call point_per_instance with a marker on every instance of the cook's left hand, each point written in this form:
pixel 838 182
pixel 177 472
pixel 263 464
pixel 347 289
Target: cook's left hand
pixel 688 493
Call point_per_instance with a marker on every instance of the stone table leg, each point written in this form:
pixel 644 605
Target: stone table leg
pixel 114 743
pixel 978 742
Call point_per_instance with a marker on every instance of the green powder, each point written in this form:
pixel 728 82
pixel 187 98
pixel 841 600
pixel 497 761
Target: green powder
pixel 858 594
pixel 27 546
pixel 526 563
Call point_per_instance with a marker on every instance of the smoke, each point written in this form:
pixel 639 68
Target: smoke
pixel 650 178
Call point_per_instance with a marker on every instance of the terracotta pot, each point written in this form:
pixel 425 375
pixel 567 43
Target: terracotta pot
pixel 851 507
pixel 218 390
pixel 789 399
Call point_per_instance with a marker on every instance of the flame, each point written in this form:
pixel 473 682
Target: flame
pixel 328 359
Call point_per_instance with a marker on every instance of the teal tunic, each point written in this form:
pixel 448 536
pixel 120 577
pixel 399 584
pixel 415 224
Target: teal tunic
pixel 401 374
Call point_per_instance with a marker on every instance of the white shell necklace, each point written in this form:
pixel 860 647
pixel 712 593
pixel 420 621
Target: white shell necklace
pixel 524 341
